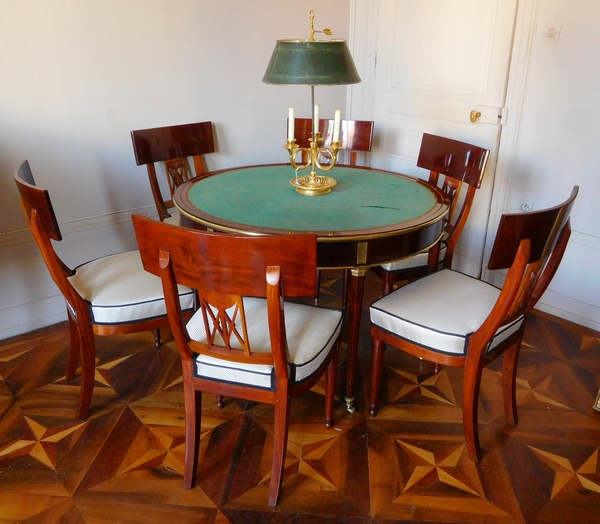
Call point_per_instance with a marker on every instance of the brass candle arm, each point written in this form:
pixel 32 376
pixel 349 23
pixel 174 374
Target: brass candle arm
pixel 313 184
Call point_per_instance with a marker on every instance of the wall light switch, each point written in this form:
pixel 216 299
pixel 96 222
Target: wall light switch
pixel 552 34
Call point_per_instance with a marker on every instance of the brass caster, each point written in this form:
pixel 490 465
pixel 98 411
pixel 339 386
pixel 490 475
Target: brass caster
pixel 349 405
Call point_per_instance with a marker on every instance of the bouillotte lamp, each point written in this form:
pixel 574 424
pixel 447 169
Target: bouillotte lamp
pixel 312 63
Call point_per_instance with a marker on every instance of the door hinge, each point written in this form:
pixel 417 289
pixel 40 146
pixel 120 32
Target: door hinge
pixel 503 116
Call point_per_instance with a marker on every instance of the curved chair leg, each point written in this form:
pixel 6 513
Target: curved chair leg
pixel 387 280
pixel 330 378
pixel 193 418
pixel 75 346
pixel 471 385
pixel 282 408
pixel 509 378
pixel 377 353
pixel 88 367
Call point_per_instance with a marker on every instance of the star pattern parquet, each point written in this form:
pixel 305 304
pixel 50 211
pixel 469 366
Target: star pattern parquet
pixel 409 464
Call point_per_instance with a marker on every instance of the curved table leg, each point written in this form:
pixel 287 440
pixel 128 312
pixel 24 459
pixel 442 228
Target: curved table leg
pixel 357 286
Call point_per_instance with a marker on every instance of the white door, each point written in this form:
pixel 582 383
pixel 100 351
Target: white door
pixel 436 61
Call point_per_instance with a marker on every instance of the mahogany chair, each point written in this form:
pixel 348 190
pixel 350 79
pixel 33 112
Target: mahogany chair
pixel 107 296
pixel 459 163
pixel 356 136
pixel 258 347
pixel 172 145
pixel 455 320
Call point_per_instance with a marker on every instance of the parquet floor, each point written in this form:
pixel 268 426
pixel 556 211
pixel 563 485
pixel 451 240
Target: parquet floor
pixel 409 464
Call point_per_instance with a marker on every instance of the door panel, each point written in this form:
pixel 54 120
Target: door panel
pixel 437 60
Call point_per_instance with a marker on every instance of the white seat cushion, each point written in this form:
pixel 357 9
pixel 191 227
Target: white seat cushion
pixel 440 311
pixel 311 333
pixel 173 219
pixel 119 290
pixel 418 260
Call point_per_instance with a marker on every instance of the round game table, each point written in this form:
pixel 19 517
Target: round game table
pixel 371 217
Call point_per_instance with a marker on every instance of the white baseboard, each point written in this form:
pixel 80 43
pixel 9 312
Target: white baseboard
pixel 587 315
pixel 559 304
pixel 34 315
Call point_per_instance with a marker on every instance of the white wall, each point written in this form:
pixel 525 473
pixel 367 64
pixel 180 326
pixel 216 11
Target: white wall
pixel 77 77
pixel 552 141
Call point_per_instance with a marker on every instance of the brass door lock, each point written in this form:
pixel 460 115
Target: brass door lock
pixel 474 115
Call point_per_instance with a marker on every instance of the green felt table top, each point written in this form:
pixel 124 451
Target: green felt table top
pixel 262 196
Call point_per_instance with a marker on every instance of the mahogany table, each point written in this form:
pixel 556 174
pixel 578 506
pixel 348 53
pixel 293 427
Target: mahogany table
pixel 371 217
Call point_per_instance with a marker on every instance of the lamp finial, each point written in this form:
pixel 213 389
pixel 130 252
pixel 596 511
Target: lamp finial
pixel 311 17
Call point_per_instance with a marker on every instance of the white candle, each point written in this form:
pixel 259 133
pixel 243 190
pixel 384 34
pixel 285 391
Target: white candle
pixel 316 120
pixel 336 125
pixel 291 124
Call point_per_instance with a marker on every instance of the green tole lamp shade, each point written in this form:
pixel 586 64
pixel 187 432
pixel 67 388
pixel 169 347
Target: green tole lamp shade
pixel 311 63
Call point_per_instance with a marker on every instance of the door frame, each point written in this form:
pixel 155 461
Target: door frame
pixel 360 100
pixel 508 148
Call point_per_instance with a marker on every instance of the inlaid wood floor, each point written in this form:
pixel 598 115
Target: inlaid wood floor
pixel 409 464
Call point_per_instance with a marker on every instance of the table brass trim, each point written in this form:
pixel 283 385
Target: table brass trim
pixel 437 212
pixel 358 271
pixel 218 227
pixel 361 253
pixel 322 236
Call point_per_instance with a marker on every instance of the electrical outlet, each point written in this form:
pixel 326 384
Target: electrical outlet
pixel 526 206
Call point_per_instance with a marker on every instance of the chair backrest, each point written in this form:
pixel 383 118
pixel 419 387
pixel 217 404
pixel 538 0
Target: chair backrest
pixel 355 135
pixel 40 216
pixel 546 232
pixel 459 163
pixel 223 268
pixel 35 198
pixel 25 174
pixel 172 145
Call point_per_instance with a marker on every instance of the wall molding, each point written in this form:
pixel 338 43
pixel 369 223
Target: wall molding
pixel 518 76
pixel 81 225
pixel 41 302
pixel 363 45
